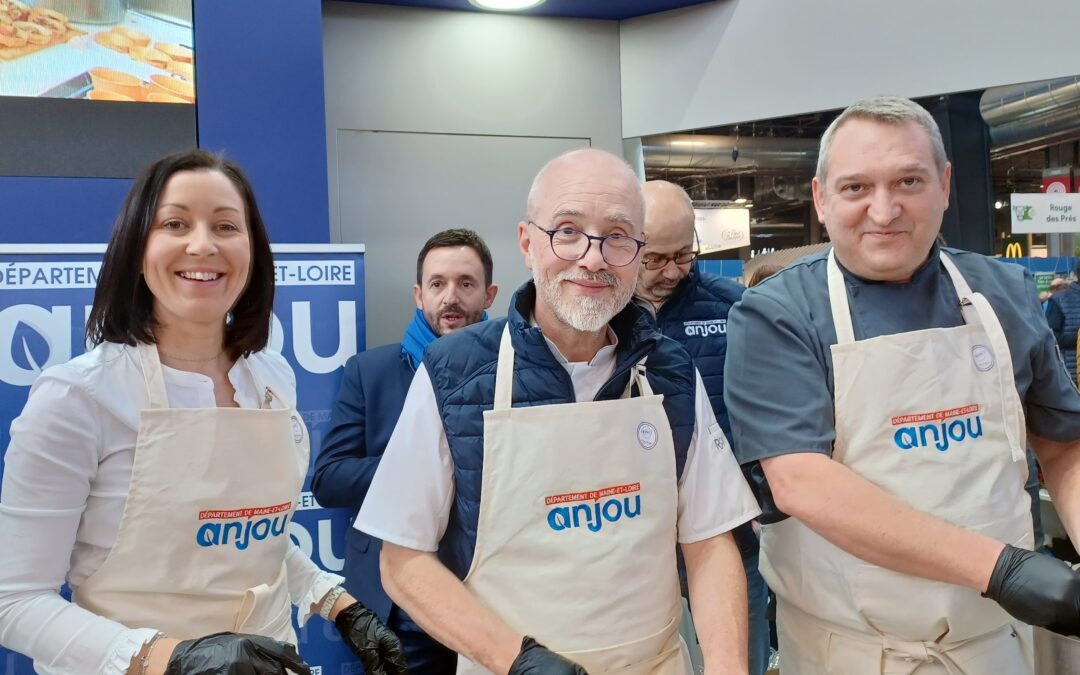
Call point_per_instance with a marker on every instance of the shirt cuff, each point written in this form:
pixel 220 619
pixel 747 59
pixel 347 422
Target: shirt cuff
pixel 694 537
pixel 318 590
pixel 123 648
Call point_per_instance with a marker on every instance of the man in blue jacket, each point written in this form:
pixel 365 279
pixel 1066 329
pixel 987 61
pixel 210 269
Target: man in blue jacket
pixel 691 307
pixel 453 288
pixel 1063 315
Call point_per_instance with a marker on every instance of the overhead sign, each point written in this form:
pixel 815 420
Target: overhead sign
pixel 1044 213
pixel 722 229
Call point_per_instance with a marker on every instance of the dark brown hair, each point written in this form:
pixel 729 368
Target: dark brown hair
pixel 457 236
pixel 123 309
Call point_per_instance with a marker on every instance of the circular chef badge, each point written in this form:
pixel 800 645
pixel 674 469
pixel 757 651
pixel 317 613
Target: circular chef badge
pixel 983 357
pixel 297 429
pixel 647 435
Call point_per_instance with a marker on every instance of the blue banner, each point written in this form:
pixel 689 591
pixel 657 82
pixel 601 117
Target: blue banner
pixel 45 296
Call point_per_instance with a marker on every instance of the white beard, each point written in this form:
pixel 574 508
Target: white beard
pixel 583 314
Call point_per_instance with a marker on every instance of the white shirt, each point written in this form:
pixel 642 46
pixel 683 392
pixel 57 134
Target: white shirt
pixel 409 501
pixel 66 477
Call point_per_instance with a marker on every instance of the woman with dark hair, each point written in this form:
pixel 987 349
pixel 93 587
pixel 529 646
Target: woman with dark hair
pixel 157 473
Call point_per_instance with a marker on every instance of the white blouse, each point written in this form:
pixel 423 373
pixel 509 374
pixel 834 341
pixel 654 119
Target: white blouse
pixel 66 476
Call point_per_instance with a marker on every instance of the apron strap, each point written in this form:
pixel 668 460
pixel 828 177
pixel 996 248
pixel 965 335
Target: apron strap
pixel 838 300
pixel 504 372
pixel 154 377
pixel 977 311
pixel 638 375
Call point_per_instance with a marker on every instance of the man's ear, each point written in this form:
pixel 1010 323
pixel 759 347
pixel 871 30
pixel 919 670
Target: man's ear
pixel 524 243
pixel 418 297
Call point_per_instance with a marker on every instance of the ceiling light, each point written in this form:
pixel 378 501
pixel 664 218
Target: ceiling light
pixel 999 204
pixel 741 200
pixel 688 142
pixel 506 5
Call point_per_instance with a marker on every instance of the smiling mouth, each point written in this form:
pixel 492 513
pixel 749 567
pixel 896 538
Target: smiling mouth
pixel 199 276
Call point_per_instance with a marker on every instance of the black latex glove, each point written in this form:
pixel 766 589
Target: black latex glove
pixel 1037 589
pixel 536 659
pixel 378 648
pixel 235 654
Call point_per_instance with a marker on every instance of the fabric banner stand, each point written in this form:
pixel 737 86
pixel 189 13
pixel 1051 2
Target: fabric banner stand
pixel 46 292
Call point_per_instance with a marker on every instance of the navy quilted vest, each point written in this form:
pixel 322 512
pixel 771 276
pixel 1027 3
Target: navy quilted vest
pixel 1070 306
pixel 462 370
pixel 696 317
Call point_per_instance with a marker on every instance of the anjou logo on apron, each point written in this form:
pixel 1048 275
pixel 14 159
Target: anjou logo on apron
pixel 945 426
pixel 239 526
pixel 592 513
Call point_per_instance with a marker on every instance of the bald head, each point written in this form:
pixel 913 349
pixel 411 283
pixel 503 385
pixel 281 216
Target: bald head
pixel 609 173
pixel 669 214
pixel 669 234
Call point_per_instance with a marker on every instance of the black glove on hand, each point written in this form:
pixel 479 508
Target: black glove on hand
pixel 1037 589
pixel 378 648
pixel 536 659
pixel 235 654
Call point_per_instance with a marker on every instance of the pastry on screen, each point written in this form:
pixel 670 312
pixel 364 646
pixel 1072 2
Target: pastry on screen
pixel 114 41
pixel 35 34
pixel 175 52
pixel 136 36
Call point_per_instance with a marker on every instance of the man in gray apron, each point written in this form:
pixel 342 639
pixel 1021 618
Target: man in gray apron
pixel 883 394
pixel 545 465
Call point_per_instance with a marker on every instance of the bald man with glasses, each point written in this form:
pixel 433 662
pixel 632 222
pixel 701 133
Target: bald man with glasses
pixel 691 307
pixel 547 466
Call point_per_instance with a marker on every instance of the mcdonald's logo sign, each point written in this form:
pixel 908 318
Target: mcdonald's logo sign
pixel 1014 250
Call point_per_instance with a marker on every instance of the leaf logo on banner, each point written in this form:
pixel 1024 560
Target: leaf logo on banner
pixel 29 348
pixel 36 338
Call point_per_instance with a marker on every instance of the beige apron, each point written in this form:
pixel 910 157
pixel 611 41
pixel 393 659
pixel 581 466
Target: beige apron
pixel 933 418
pixel 577 529
pixel 203 538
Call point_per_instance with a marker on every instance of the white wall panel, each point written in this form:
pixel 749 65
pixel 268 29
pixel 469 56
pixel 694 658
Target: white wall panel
pixel 742 60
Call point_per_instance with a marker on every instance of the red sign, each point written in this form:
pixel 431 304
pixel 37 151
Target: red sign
pixel 1058 183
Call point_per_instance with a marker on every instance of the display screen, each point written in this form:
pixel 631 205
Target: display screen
pixel 94 88
pixel 97 49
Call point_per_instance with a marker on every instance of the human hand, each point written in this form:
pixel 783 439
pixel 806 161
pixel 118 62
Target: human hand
pixel 536 659
pixel 235 654
pixel 1037 589
pixel 377 647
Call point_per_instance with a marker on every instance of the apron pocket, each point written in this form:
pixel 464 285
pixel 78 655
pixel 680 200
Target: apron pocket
pixel 850 656
pixel 1009 649
pixel 662 653
pixel 267 610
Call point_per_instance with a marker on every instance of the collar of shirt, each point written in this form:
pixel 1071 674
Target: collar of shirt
pixel 587 377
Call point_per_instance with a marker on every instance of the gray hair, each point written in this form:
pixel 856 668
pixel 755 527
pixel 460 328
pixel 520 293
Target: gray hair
pixel 887 110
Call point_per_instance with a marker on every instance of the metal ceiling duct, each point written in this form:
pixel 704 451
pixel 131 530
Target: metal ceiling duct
pixel 720 155
pixel 1026 114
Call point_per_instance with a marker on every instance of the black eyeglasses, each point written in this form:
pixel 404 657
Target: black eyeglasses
pixel 570 244
pixel 654 261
